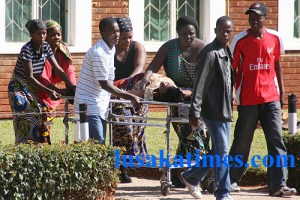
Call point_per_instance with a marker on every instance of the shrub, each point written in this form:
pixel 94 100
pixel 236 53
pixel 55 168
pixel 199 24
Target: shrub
pixel 76 171
pixel 292 143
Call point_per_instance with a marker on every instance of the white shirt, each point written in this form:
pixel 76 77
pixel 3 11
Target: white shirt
pixel 97 65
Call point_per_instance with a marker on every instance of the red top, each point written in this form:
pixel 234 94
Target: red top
pixel 254 60
pixel 48 77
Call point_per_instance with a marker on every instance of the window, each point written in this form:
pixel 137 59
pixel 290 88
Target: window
pixel 158 18
pixel 297 19
pixel 154 21
pixel 15 14
pixel 289 23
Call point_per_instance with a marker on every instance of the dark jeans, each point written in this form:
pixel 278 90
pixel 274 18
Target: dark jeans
pixel 269 115
pixel 220 135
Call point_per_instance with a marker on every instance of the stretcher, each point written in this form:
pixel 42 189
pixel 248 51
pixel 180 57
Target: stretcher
pixel 164 122
pixel 67 118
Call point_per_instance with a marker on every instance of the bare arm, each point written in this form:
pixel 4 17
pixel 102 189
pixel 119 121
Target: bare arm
pixel 33 81
pixel 279 75
pixel 140 59
pixel 153 67
pixel 187 93
pixel 157 61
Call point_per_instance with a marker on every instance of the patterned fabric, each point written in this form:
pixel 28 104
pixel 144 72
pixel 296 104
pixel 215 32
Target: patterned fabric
pixel 22 96
pixel 128 83
pixel 190 139
pixel 52 24
pixel 64 49
pixel 62 46
pixel 184 75
pixel 125 24
pixel 47 119
pixel 131 137
pixel 177 68
pixel 23 103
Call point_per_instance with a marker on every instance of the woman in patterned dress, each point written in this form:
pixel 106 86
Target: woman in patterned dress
pixel 24 83
pixel 130 59
pixel 179 57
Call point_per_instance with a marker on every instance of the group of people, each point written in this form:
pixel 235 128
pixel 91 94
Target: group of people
pixel 252 63
pixel 33 94
pixel 209 76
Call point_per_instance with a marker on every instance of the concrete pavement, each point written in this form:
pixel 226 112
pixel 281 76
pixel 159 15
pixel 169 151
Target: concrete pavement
pixel 149 189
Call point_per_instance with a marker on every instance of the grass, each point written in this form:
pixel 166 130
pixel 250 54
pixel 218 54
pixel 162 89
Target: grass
pixel 57 132
pixel 155 137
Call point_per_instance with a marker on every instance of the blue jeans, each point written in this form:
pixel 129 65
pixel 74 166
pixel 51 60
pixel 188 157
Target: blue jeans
pixel 220 135
pixel 269 115
pixel 97 128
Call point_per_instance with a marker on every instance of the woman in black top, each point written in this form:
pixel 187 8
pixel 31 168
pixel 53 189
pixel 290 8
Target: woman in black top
pixel 130 59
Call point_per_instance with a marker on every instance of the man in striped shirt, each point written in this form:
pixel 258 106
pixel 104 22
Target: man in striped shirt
pixel 95 82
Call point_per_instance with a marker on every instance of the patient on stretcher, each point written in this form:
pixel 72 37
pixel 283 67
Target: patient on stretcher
pixel 161 88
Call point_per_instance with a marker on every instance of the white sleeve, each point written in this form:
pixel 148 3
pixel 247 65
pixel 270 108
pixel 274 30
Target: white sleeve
pixel 282 51
pixel 235 39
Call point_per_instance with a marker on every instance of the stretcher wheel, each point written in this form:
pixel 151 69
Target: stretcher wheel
pixel 165 189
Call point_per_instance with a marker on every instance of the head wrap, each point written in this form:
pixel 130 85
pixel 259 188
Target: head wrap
pixel 52 24
pixel 62 46
pixel 64 49
pixel 34 25
pixel 182 21
pixel 125 24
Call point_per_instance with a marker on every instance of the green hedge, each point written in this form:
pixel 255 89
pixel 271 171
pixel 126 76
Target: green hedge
pixel 76 171
pixel 292 143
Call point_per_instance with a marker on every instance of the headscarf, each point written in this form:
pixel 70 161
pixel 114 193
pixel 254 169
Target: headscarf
pixel 52 24
pixel 62 46
pixel 182 21
pixel 34 25
pixel 64 49
pixel 125 24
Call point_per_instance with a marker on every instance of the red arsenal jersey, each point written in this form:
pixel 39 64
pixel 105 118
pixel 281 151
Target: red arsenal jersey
pixel 254 59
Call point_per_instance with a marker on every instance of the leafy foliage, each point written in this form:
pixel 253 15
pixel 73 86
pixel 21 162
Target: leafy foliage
pixel 292 143
pixel 76 171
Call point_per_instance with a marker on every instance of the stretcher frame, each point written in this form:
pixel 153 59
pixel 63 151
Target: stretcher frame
pixel 165 179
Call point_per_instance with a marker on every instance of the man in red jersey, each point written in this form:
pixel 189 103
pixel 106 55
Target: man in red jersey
pixel 259 96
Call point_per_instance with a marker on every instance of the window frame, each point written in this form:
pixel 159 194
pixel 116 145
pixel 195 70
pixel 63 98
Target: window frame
pixel 77 43
pixel 285 29
pixel 208 11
